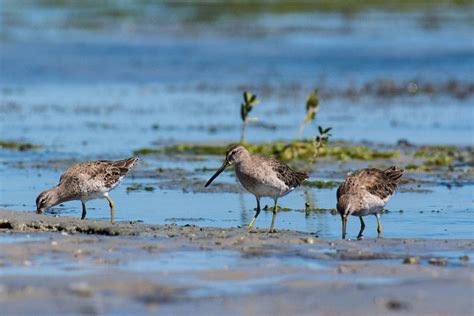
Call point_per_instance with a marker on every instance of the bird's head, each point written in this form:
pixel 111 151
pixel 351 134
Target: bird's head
pixel 344 209
pixel 234 155
pixel 45 200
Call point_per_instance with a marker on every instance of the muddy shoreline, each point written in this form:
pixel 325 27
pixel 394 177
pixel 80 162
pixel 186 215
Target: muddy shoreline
pixel 65 265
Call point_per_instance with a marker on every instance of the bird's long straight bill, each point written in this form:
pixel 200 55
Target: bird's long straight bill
pixel 344 225
pixel 218 172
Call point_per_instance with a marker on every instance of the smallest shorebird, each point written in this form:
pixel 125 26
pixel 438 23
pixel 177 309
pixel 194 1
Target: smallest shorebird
pixel 86 181
pixel 261 176
pixel 366 192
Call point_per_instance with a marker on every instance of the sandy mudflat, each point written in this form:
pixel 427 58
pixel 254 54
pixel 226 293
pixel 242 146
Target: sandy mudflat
pixel 65 265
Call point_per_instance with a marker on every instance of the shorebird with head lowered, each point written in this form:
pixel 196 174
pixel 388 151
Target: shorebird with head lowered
pixel 86 181
pixel 261 176
pixel 366 192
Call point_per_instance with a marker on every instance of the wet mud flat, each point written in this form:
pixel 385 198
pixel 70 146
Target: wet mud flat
pixel 65 265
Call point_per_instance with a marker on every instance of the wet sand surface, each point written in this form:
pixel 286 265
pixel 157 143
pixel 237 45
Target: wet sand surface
pixel 65 265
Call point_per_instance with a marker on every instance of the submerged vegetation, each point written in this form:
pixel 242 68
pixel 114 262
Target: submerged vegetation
pixel 18 145
pixel 94 13
pixel 303 150
pixel 321 184
pixel 140 187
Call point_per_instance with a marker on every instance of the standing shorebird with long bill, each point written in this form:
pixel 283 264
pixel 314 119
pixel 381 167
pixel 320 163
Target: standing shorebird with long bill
pixel 366 192
pixel 261 176
pixel 86 181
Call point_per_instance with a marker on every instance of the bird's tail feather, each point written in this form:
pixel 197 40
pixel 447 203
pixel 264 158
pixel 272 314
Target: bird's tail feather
pixel 126 164
pixel 394 173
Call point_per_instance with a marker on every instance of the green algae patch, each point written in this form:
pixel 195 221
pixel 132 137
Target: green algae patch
pixel 18 146
pixel 439 156
pixel 140 187
pixel 434 151
pixel 303 150
pixel 417 168
pixel 321 184
pixel 439 161
pixel 146 151
pixel 212 150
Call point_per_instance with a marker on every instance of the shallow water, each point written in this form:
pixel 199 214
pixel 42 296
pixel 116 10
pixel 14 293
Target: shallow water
pixel 439 213
pixel 98 94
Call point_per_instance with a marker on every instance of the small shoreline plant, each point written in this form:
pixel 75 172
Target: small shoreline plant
pixel 312 107
pixel 321 140
pixel 250 100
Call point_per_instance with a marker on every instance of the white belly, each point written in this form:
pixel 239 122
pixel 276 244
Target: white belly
pixel 372 204
pixel 263 186
pixel 92 190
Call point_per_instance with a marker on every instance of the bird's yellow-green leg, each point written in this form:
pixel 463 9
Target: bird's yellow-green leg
pixel 275 210
pixel 112 209
pixel 256 214
pixel 84 211
pixel 379 226
pixel 362 227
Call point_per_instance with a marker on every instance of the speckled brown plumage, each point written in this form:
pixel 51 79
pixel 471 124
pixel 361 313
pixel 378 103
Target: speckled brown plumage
pixel 86 181
pixel 290 177
pixel 381 183
pixel 108 172
pixel 366 192
pixel 261 176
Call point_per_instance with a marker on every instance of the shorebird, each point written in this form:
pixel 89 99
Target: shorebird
pixel 261 176
pixel 86 181
pixel 366 192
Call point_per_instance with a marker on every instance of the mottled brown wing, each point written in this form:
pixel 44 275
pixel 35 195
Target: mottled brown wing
pixel 107 171
pixel 386 182
pixel 125 165
pixel 381 183
pixel 74 176
pixel 117 169
pixel 349 184
pixel 290 177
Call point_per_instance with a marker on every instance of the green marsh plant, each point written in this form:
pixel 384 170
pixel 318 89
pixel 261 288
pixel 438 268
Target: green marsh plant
pixel 250 101
pixel 321 140
pixel 312 107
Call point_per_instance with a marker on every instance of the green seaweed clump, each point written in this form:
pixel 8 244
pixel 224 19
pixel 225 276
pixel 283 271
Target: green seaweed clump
pixel 281 150
pixel 195 149
pixel 434 151
pixel 146 151
pixel 306 151
pixel 321 184
pixel 439 161
pixel 18 146
pixel 416 168
pixel 140 187
pixel 267 208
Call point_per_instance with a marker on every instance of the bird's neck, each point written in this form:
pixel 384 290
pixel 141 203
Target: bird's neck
pixel 59 193
pixel 243 163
